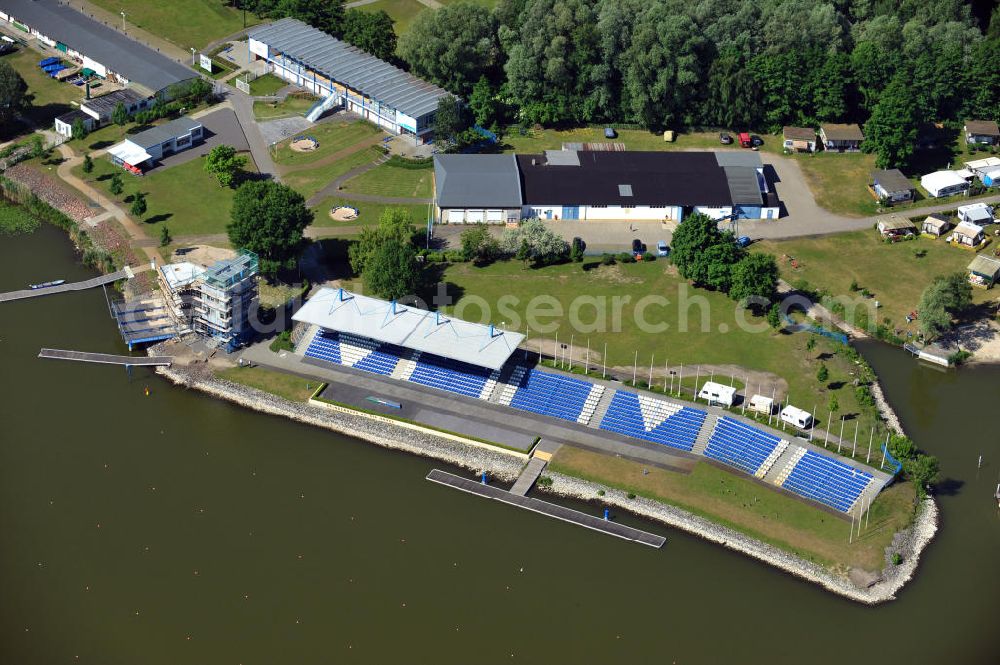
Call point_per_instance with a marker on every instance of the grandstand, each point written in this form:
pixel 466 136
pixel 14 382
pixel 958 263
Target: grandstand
pixel 477 361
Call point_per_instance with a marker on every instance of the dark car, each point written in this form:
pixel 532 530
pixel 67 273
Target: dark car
pixel 756 141
pixel 725 138
pixel 743 241
pixel 638 249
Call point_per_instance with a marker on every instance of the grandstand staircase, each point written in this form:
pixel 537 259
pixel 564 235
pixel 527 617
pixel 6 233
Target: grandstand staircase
pixel 590 406
pixel 405 366
pixel 784 464
pixel 507 386
pixel 601 408
pixel 306 340
pixel 704 434
pixel 490 386
pixel 775 455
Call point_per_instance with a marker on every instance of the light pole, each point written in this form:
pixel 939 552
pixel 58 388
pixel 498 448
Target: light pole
pixel 192 56
pixel 123 20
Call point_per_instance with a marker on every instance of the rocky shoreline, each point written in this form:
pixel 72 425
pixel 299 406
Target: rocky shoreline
pixel 506 466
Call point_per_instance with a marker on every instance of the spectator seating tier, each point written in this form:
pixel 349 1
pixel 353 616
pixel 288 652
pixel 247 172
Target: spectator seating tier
pixel 827 480
pixel 654 420
pixel 738 444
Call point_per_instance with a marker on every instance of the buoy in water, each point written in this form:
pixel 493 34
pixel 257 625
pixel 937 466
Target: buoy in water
pixel 147 391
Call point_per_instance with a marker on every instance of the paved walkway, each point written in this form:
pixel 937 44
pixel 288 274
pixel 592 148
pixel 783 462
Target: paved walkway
pixel 259 149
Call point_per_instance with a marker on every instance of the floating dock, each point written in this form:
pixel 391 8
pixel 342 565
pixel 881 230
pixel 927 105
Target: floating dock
pixel 547 509
pixel 124 273
pixel 107 358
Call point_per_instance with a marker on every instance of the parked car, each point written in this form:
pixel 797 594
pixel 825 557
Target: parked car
pixel 662 249
pixel 756 141
pixel 638 249
pixel 745 140
pixel 743 241
pixel 725 138
pixel 610 133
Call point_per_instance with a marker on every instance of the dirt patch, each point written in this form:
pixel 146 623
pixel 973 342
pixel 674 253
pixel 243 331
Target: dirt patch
pixel 758 382
pixel 303 144
pixel 982 338
pixel 344 214
pixel 203 255
pixel 615 274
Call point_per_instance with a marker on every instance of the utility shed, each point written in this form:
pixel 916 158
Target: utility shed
pixel 935 225
pixel 892 187
pixel 984 271
pixel 894 228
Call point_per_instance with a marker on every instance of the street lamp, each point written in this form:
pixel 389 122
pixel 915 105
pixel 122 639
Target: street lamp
pixel 123 20
pixel 192 56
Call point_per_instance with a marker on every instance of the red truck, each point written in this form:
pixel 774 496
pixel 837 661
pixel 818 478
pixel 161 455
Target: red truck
pixel 745 140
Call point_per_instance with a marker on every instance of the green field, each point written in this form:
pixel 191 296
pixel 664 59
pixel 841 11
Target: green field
pixel 292 388
pixel 291 106
pixel 402 12
pixel 184 197
pixel 186 23
pixel 369 212
pixel 739 503
pixel 394 181
pixel 892 272
pixel 332 136
pixel 50 98
pixel 266 85
pixel 536 140
pixel 309 181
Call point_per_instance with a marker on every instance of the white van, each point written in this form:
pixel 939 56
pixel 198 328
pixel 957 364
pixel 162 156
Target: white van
pixel 716 393
pixel 796 417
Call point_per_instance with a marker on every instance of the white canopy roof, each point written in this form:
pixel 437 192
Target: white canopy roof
pixel 409 327
pixel 129 153
pixel 978 164
pixel 932 182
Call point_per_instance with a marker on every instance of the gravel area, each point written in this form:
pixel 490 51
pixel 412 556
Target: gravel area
pixel 50 191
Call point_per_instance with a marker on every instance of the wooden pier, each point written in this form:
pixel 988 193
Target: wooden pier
pixel 125 273
pixel 547 509
pixel 107 358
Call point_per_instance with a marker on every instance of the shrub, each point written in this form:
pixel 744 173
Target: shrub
pixel 600 492
pixel 607 260
pixel 897 558
pixel 625 257
pixel 631 495
pixel 454 256
pixel 283 342
pixel 544 481
pixel 648 257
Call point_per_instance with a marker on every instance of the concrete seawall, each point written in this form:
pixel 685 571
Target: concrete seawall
pixel 506 465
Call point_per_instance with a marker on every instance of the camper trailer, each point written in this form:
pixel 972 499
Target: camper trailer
pixel 716 393
pixel 761 404
pixel 796 417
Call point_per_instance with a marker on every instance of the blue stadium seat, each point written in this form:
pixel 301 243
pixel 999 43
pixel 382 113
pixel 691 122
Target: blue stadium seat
pixel 827 480
pixel 740 445
pixel 551 395
pixel 677 425
pixel 450 375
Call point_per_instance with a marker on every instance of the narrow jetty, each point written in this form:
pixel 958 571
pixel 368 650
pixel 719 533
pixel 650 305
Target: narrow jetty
pixel 124 273
pixel 106 358
pixel 547 509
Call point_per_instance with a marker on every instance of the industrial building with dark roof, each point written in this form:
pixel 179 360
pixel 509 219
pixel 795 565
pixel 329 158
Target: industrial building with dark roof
pixel 345 75
pixel 601 185
pixel 95 46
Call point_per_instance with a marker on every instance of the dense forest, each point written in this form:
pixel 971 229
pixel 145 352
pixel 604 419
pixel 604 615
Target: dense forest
pixel 892 65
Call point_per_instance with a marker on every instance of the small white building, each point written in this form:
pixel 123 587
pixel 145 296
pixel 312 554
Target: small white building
pixel 976 213
pixel 717 393
pixel 936 225
pixel 140 151
pixel 968 234
pixel 944 183
pixel 796 417
pixel 761 404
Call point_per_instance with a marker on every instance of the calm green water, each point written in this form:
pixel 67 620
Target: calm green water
pixel 177 529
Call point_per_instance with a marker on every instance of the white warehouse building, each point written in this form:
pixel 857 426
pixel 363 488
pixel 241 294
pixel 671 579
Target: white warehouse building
pixel 601 185
pixel 345 76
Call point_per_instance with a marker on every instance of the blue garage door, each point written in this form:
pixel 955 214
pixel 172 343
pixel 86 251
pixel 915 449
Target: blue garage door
pixel 571 212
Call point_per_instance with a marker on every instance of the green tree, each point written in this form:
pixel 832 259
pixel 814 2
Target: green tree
pixel 13 93
pixel 703 253
pixel 225 164
pixel 891 131
pixel 372 32
pixel 449 120
pixel 754 276
pixel 394 226
pixel 165 237
pixel 823 374
pixel 78 130
pixel 484 103
pixel 479 245
pixel 946 297
pixel 576 250
pixel 269 218
pixel 88 164
pixel 138 208
pixel 120 115
pixel 774 316
pixel 116 186
pixel 811 344
pixel 523 253
pixel 325 15
pixel 452 46
pixel 542 245
pixel 833 405
pixel 392 272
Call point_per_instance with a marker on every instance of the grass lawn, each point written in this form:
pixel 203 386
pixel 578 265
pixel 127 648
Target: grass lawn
pixel 292 388
pixel 268 84
pixel 292 106
pixel 537 140
pixel 840 181
pixel 389 180
pixel 402 12
pixel 50 97
pixel 369 212
pixel 751 508
pixel 184 197
pixel 332 136
pixel 310 181
pixel 720 341
pixel 100 139
pixel 891 272
pixel 186 23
